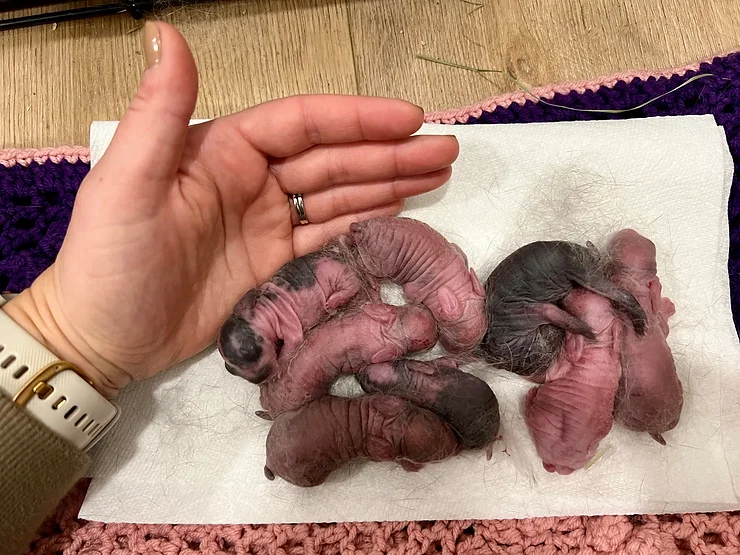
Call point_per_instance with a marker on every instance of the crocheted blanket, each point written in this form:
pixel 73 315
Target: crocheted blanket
pixel 37 191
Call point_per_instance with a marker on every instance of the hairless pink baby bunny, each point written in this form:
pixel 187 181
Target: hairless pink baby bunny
pixel 651 395
pixel 431 270
pixel 572 411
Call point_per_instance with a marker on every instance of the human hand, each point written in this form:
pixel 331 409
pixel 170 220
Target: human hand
pixel 175 223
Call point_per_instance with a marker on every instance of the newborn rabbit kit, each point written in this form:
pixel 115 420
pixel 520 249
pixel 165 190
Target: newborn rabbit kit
pixel 295 337
pixel 564 315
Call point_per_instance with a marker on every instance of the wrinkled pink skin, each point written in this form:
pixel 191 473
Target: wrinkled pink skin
pixel 306 445
pixel 377 333
pixel 305 292
pixel 431 270
pixel 461 399
pixel 651 396
pixel 572 411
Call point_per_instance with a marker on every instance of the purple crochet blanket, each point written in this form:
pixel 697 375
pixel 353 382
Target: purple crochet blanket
pixel 37 189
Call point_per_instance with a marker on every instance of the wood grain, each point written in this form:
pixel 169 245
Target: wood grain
pixel 538 41
pixel 54 82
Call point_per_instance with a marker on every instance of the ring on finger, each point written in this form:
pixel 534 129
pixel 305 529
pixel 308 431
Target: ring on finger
pixel 300 208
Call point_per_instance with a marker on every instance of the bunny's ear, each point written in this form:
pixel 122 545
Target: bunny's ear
pixel 450 306
pixel 573 346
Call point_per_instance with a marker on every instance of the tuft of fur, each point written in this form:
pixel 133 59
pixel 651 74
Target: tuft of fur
pixel 527 321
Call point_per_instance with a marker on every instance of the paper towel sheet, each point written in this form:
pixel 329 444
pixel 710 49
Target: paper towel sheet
pixel 189 448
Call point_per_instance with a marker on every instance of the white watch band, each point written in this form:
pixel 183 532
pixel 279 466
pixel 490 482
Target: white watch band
pixel 49 389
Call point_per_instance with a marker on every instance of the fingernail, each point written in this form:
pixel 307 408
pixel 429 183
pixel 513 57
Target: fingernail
pixel 152 44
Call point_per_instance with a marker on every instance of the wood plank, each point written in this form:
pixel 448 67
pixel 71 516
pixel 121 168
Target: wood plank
pixel 538 41
pixel 56 81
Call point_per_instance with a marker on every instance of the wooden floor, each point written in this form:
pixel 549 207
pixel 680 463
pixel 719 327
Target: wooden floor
pixel 54 82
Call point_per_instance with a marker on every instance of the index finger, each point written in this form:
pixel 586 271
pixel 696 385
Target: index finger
pixel 285 127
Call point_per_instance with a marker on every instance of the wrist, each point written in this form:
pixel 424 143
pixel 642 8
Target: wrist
pixel 37 311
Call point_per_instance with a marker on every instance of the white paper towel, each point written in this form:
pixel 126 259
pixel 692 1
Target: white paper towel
pixel 189 449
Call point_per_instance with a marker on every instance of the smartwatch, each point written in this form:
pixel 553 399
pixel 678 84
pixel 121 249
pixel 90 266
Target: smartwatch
pixel 51 390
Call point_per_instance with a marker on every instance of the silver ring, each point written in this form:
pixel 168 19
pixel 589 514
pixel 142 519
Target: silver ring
pixel 300 208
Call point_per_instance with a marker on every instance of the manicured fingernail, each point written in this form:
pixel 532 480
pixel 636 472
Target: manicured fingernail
pixel 152 44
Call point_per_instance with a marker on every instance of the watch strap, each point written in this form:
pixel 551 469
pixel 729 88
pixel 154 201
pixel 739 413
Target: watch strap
pixel 51 390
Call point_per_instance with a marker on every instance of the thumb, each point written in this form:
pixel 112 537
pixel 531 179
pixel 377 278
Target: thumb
pixel 150 138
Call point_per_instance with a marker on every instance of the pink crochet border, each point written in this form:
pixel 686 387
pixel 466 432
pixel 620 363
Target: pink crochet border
pixel 12 156
pixel 699 534
pixel 461 115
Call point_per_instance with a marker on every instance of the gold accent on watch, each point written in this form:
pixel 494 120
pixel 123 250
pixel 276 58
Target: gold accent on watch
pixel 38 386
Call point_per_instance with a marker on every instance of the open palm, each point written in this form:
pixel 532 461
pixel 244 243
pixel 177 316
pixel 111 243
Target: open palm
pixel 175 223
